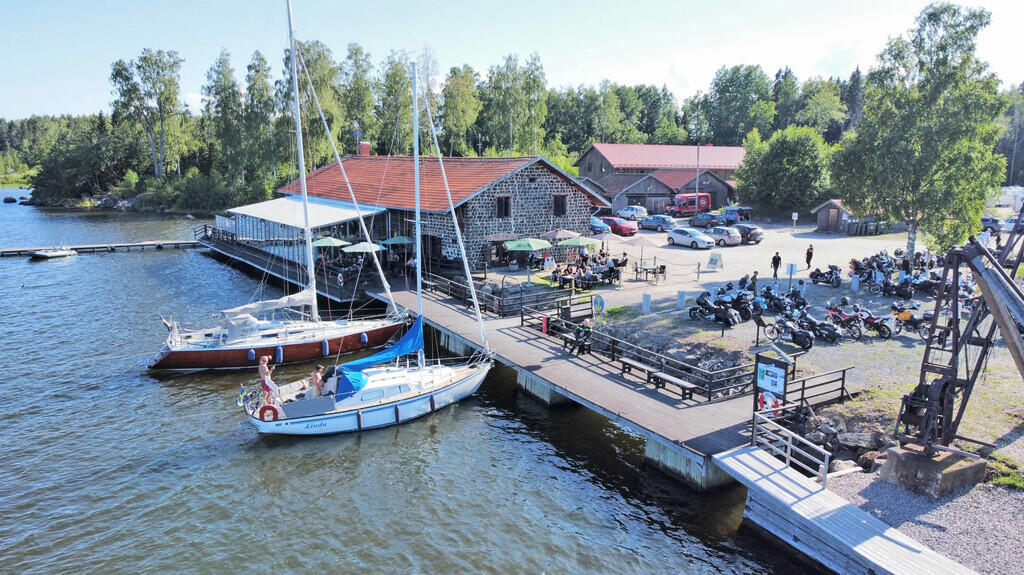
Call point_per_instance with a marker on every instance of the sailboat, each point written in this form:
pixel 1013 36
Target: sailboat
pixel 281 328
pixel 379 390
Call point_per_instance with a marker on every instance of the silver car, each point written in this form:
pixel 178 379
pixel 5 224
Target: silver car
pixel 724 236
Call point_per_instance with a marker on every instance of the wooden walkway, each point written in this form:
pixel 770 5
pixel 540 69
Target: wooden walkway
pixel 823 525
pixel 91 248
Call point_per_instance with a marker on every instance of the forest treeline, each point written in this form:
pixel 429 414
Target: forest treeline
pixel 239 146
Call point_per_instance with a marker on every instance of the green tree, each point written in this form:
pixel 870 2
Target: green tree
pixel 258 130
pixel 223 99
pixel 733 93
pixel 853 98
pixel 316 60
pixel 1010 144
pixel 923 152
pixel 459 109
pixel 394 105
pixel 822 106
pixel 786 95
pixel 147 92
pixel 789 172
pixel 761 116
pixel 357 92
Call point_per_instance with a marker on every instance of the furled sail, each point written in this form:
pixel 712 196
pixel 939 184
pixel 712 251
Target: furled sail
pixel 305 297
pixel 351 378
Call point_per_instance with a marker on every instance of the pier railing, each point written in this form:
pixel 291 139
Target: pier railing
pixel 502 304
pixel 800 392
pixel 771 436
pixel 711 384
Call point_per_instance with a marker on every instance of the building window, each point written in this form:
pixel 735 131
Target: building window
pixel 532 179
pixel 558 206
pixel 504 207
pixel 590 167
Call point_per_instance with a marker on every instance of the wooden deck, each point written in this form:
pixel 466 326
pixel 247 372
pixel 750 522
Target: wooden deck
pixel 91 248
pixel 823 525
pixel 704 428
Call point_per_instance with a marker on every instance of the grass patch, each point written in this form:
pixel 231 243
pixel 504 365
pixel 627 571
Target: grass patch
pixel 1005 472
pixel 620 313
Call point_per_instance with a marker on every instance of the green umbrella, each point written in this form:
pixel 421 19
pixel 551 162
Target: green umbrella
pixel 397 240
pixel 362 248
pixel 581 241
pixel 527 245
pixel 329 242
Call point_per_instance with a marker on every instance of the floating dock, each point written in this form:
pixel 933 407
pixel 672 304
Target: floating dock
pixel 94 248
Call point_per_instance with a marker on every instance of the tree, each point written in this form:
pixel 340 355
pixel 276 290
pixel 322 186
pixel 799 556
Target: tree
pixel 853 98
pixel 734 91
pixel 394 105
pixel 822 106
pixel 786 95
pixel 459 109
pixel 223 99
pixel 761 116
pixel 1010 144
pixel 429 96
pixel 357 93
pixel 147 92
pixel 258 128
pixel 788 172
pixel 923 151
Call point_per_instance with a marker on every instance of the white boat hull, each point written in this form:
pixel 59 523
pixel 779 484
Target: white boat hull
pixel 379 414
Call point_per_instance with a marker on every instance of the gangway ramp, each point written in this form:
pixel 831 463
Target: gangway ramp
pixel 823 525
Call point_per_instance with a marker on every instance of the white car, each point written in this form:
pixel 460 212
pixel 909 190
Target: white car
pixel 689 237
pixel 1008 224
pixel 632 213
pixel 724 236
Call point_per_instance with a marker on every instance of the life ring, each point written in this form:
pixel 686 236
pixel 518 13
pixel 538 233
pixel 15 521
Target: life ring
pixel 270 413
pixel 766 400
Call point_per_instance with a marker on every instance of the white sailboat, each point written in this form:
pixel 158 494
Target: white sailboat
pixel 281 328
pixel 383 389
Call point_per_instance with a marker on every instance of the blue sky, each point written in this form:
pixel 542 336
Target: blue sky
pixel 57 54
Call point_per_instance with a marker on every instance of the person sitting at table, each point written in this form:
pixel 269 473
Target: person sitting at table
pixel 556 274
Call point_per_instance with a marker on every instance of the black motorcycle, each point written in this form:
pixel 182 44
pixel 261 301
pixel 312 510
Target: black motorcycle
pixel 832 277
pixel 775 302
pixel 717 313
pixel 922 283
pixel 822 329
pixel 741 301
pixel 785 327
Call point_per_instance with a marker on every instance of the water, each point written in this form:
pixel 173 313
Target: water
pixel 107 468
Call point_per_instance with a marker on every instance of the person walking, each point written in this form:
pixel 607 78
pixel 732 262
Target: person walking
pixel 776 262
pixel 752 285
pixel 809 255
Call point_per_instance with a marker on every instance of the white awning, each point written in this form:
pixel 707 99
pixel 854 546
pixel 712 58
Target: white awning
pixel 288 211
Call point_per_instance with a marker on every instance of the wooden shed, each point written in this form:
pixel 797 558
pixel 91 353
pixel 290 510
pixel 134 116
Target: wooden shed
pixel 832 216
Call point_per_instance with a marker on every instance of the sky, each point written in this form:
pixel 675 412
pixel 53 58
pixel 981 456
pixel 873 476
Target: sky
pixel 57 54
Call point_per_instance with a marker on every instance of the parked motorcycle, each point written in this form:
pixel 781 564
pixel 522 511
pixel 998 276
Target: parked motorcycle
pixel 740 301
pixel 775 301
pixel 822 329
pixel 873 323
pixel 903 317
pixel 849 324
pixel 785 327
pixel 717 313
pixel 832 277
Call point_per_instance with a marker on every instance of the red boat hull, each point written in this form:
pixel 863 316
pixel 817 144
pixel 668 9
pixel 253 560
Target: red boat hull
pixel 234 358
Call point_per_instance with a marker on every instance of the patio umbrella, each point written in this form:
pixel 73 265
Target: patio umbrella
pixel 362 248
pixel 329 242
pixel 642 241
pixel 397 241
pixel 580 241
pixel 527 245
pixel 556 235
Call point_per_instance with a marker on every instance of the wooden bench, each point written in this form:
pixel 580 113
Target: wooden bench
pixel 686 388
pixel 568 340
pixel 628 365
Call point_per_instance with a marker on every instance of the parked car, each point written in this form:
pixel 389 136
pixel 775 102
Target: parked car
pixel 597 226
pixel 689 237
pixel 724 236
pixel 1008 224
pixel 659 222
pixel 738 213
pixel 632 212
pixel 750 233
pixel 706 220
pixel 991 224
pixel 620 226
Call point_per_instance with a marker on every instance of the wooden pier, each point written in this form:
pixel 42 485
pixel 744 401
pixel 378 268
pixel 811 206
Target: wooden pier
pixel 94 248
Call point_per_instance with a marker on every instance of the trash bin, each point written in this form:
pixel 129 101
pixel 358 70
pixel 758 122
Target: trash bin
pixel 871 229
pixel 851 228
pixel 855 282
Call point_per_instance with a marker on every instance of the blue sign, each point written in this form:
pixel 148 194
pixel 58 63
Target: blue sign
pixel 598 304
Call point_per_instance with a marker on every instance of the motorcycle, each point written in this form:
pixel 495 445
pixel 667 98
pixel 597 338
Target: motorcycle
pixel 873 323
pixel 832 277
pixel 716 313
pixel 786 328
pixel 848 324
pixel 922 283
pixel 776 302
pixel 903 317
pixel 822 329
pixel 740 301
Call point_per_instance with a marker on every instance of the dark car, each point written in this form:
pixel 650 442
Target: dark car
pixel 659 222
pixel 737 213
pixel 707 220
pixel 620 226
pixel 750 233
pixel 994 225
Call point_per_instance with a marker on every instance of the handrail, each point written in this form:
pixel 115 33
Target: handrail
pixel 800 386
pixel 763 426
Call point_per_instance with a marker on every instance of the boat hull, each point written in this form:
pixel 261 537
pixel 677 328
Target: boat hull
pixel 381 415
pixel 292 352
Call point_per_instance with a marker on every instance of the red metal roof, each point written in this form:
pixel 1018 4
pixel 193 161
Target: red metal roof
pixel 674 179
pixel 388 181
pixel 666 156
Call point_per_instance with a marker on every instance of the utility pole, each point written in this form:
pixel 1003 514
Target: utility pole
pixel 696 199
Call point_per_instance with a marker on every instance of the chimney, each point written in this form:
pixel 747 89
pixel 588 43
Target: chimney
pixel 364 148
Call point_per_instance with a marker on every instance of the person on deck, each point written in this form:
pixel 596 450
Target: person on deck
pixel 317 378
pixel 270 391
pixel 582 334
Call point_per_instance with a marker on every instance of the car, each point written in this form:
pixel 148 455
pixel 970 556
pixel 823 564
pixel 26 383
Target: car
pixel 1008 224
pixel 738 213
pixel 991 224
pixel 724 236
pixel 750 233
pixel 597 226
pixel 706 220
pixel 620 226
pixel 689 237
pixel 632 212
pixel 659 222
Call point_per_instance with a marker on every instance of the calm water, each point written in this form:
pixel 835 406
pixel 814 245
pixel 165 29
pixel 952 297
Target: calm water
pixel 108 469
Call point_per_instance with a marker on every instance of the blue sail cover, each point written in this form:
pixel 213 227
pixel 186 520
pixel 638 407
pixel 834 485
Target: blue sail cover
pixel 351 378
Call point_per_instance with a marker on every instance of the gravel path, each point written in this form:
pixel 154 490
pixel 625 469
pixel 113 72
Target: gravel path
pixel 981 527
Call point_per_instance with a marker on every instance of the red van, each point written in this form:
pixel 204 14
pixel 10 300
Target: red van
pixel 689 204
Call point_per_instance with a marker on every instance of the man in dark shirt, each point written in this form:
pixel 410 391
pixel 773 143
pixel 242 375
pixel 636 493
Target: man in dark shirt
pixel 776 262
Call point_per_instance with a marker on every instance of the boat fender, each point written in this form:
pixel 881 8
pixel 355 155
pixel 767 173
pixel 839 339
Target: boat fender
pixel 325 348
pixel 270 413
pixel 279 354
pixel 363 338
pixel 252 354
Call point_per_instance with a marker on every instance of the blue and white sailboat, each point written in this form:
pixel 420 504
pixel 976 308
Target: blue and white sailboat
pixel 383 389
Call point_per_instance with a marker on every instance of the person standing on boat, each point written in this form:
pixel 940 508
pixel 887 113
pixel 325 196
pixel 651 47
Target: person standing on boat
pixel 317 377
pixel 268 385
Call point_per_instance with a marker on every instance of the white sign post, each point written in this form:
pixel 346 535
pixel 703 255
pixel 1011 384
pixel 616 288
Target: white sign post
pixel 795 216
pixel 790 269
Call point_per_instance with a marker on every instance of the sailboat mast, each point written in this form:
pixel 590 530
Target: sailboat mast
pixel 416 184
pixel 314 312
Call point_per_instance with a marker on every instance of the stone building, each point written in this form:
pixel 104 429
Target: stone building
pixel 495 199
